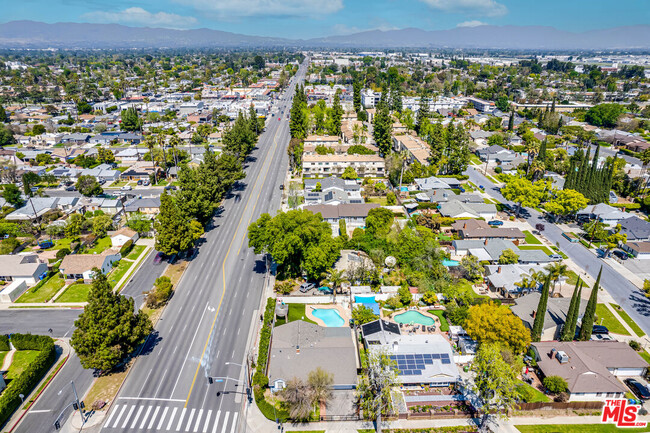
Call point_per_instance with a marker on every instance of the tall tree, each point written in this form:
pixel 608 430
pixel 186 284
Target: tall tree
pixel 383 129
pixel 109 328
pixel 3 115
pixel 375 386
pixel 538 324
pixel 11 193
pixel 569 328
pixel 590 311
pixel 356 95
pixel 150 142
pixel 423 114
pixel 175 231
pixel 131 120
pixel 337 114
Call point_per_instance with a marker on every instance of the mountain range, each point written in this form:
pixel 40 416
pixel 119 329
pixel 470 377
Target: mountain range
pixel 32 34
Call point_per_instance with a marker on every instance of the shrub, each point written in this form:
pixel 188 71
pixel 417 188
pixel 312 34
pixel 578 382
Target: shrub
pixel 525 393
pixel 126 248
pixel 62 253
pixel 562 397
pixel 259 378
pixel 10 399
pixel 4 343
pixel 555 384
pixel 9 245
pixel 391 199
pixel 633 344
pixel 284 287
pixel 498 170
pixel 160 294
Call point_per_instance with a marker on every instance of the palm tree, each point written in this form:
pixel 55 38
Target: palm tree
pixel 335 278
pixel 150 142
pixel 174 142
pixel 557 271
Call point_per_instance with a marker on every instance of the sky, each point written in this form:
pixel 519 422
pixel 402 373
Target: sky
pixel 317 18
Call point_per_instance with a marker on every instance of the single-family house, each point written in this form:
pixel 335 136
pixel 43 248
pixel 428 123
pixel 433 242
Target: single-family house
pixel 507 279
pixel 23 267
pixel 147 205
pixel 479 229
pixel 122 236
pixel 354 214
pixel 635 228
pixel 640 250
pixel 80 266
pixel 606 214
pixel 459 209
pixel 556 311
pixel 491 249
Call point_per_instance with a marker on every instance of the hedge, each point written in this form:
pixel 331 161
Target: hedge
pixel 628 206
pixel 4 343
pixel 28 379
pixel 126 248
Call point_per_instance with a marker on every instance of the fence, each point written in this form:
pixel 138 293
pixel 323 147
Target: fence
pixel 591 405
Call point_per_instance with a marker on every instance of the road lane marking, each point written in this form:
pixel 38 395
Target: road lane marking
pixel 117 420
pixel 223 264
pixel 128 415
pixel 162 418
pixel 40 411
pixel 137 415
pixel 234 422
pixel 145 382
pixel 146 416
pixel 198 420
pixel 177 400
pixel 225 422
pixel 216 422
pixel 189 420
pixel 207 421
pixel 198 326
pixel 161 382
pixel 171 419
pixel 110 417
pixel 180 420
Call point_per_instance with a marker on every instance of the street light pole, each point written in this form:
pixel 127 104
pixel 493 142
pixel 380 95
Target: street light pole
pixel 249 386
pixel 77 402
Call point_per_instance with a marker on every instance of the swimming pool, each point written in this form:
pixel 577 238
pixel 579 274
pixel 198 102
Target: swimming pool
pixel 450 263
pixel 414 317
pixel 330 316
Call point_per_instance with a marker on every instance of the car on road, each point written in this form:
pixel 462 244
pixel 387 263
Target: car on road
pixel 282 186
pixel 158 258
pixel 555 256
pixel 170 188
pixel 305 287
pixel 620 254
pixel 126 188
pixel 146 182
pixel 599 329
pixel 639 389
pixel 279 118
pixel 495 223
pixel 34 188
pixel 70 188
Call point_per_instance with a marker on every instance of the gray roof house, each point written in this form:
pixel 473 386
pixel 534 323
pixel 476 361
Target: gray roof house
pixel 556 311
pixel 506 279
pixel 635 228
pixel 458 209
pixel 299 347
pixel 38 206
pixel 491 249
pixel 27 267
pixel 604 213
pixel 332 182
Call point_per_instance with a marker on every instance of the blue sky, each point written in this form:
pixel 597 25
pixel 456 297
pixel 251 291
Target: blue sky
pixel 315 18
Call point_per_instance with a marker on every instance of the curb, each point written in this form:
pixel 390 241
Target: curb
pixel 40 392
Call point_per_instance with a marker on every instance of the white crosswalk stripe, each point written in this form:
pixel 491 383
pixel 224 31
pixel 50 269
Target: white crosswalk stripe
pixel 146 416
pixel 141 418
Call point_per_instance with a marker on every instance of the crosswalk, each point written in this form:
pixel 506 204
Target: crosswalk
pixel 151 417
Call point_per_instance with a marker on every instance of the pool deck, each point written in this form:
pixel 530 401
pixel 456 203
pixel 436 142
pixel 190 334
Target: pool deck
pixel 342 311
pixel 407 327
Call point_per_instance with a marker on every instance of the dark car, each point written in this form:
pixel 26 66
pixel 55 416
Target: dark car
pixel 495 223
pixel 71 188
pixel 639 389
pixel 282 186
pixel 599 329
pixel 620 254
pixel 158 258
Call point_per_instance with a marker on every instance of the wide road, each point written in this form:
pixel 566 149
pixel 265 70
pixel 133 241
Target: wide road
pixel 204 329
pixel 39 321
pixel 626 294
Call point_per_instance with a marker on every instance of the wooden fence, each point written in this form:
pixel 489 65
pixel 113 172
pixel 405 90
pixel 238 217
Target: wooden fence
pixel 591 405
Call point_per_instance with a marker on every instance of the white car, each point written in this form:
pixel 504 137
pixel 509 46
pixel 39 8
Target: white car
pixel 125 188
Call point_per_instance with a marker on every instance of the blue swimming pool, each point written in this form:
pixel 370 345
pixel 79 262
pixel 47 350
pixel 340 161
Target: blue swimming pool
pixel 414 317
pixel 450 263
pixel 364 299
pixel 330 316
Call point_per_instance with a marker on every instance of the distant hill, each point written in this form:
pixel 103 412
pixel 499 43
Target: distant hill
pixel 32 34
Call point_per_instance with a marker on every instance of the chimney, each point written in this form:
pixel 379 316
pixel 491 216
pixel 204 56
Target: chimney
pixel 499 270
pixel 535 314
pixel 552 353
pixel 486 242
pixel 465 225
pixel 395 346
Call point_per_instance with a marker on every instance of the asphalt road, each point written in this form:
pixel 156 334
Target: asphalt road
pixel 142 281
pixel 208 320
pixel 39 321
pixel 626 294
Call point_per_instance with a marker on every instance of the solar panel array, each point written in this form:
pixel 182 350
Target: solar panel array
pixel 413 364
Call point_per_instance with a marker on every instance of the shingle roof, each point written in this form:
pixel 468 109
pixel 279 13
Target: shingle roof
pixel 349 210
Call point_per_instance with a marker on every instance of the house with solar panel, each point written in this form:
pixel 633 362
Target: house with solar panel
pixel 420 359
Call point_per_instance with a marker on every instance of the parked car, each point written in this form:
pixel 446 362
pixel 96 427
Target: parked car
pixel 170 188
pixel 599 329
pixel 495 223
pixel 146 182
pixel 139 182
pixel 282 186
pixel 126 188
pixel 639 389
pixel 620 254
pixel 305 287
pixel 71 188
pixel 158 258
pixel 555 256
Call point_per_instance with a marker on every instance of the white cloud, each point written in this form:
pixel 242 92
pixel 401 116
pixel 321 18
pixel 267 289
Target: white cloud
pixel 489 8
pixel 226 8
pixel 139 16
pixel 472 23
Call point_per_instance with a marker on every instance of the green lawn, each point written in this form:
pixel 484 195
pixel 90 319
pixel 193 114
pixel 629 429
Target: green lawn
pixel 43 293
pixel 572 278
pixel 135 252
pixel 2 357
pixel 296 312
pixel 465 286
pixel 22 358
pixel 576 428
pixel 381 201
pixel 539 397
pixel 631 323
pixel 75 293
pixel 99 246
pixel 61 243
pixel 119 271
pixel 475 159
pixel 645 355
pixel 531 239
pixel 536 247
pixel 444 325
pixel 609 320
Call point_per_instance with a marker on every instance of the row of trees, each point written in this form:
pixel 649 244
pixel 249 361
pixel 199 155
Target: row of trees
pixel 592 181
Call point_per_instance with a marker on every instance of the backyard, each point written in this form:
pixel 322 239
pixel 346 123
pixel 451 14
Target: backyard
pixel 43 293
pixel 444 325
pixel 75 293
pixel 100 245
pixel 296 312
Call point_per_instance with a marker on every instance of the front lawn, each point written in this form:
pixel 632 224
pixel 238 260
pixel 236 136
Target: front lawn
pixel 119 271
pixel 75 293
pixel 135 252
pixel 572 278
pixel 43 293
pixel 444 325
pixel 538 396
pixel 609 321
pixel 546 250
pixel 22 358
pixel 531 239
pixel 100 245
pixel 645 355
pixel 631 323
pixel 576 428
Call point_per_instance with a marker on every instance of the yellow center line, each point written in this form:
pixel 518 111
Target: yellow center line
pixel 223 265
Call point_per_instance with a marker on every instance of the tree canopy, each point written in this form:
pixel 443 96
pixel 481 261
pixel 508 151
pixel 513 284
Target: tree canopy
pixel 491 323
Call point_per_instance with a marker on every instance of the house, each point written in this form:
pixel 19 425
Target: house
pixel 420 359
pixel 635 228
pixel 556 311
pixel 139 170
pixel 590 368
pixel 11 292
pixel 80 266
pixel 107 205
pixel 354 214
pixel 606 214
pixel 22 267
pixel 479 229
pixel 321 140
pixel 491 249
pixel 432 182
pixel 640 250
pixel 299 347
pixel 481 105
pixel 130 155
pixel 507 279
pixel 78 138
pixel 459 209
pixel 102 173
pixel 325 165
pixel 36 207
pixel 148 205
pixel 326 183
pixel 491 153
pixel 122 236
pixel 416 149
